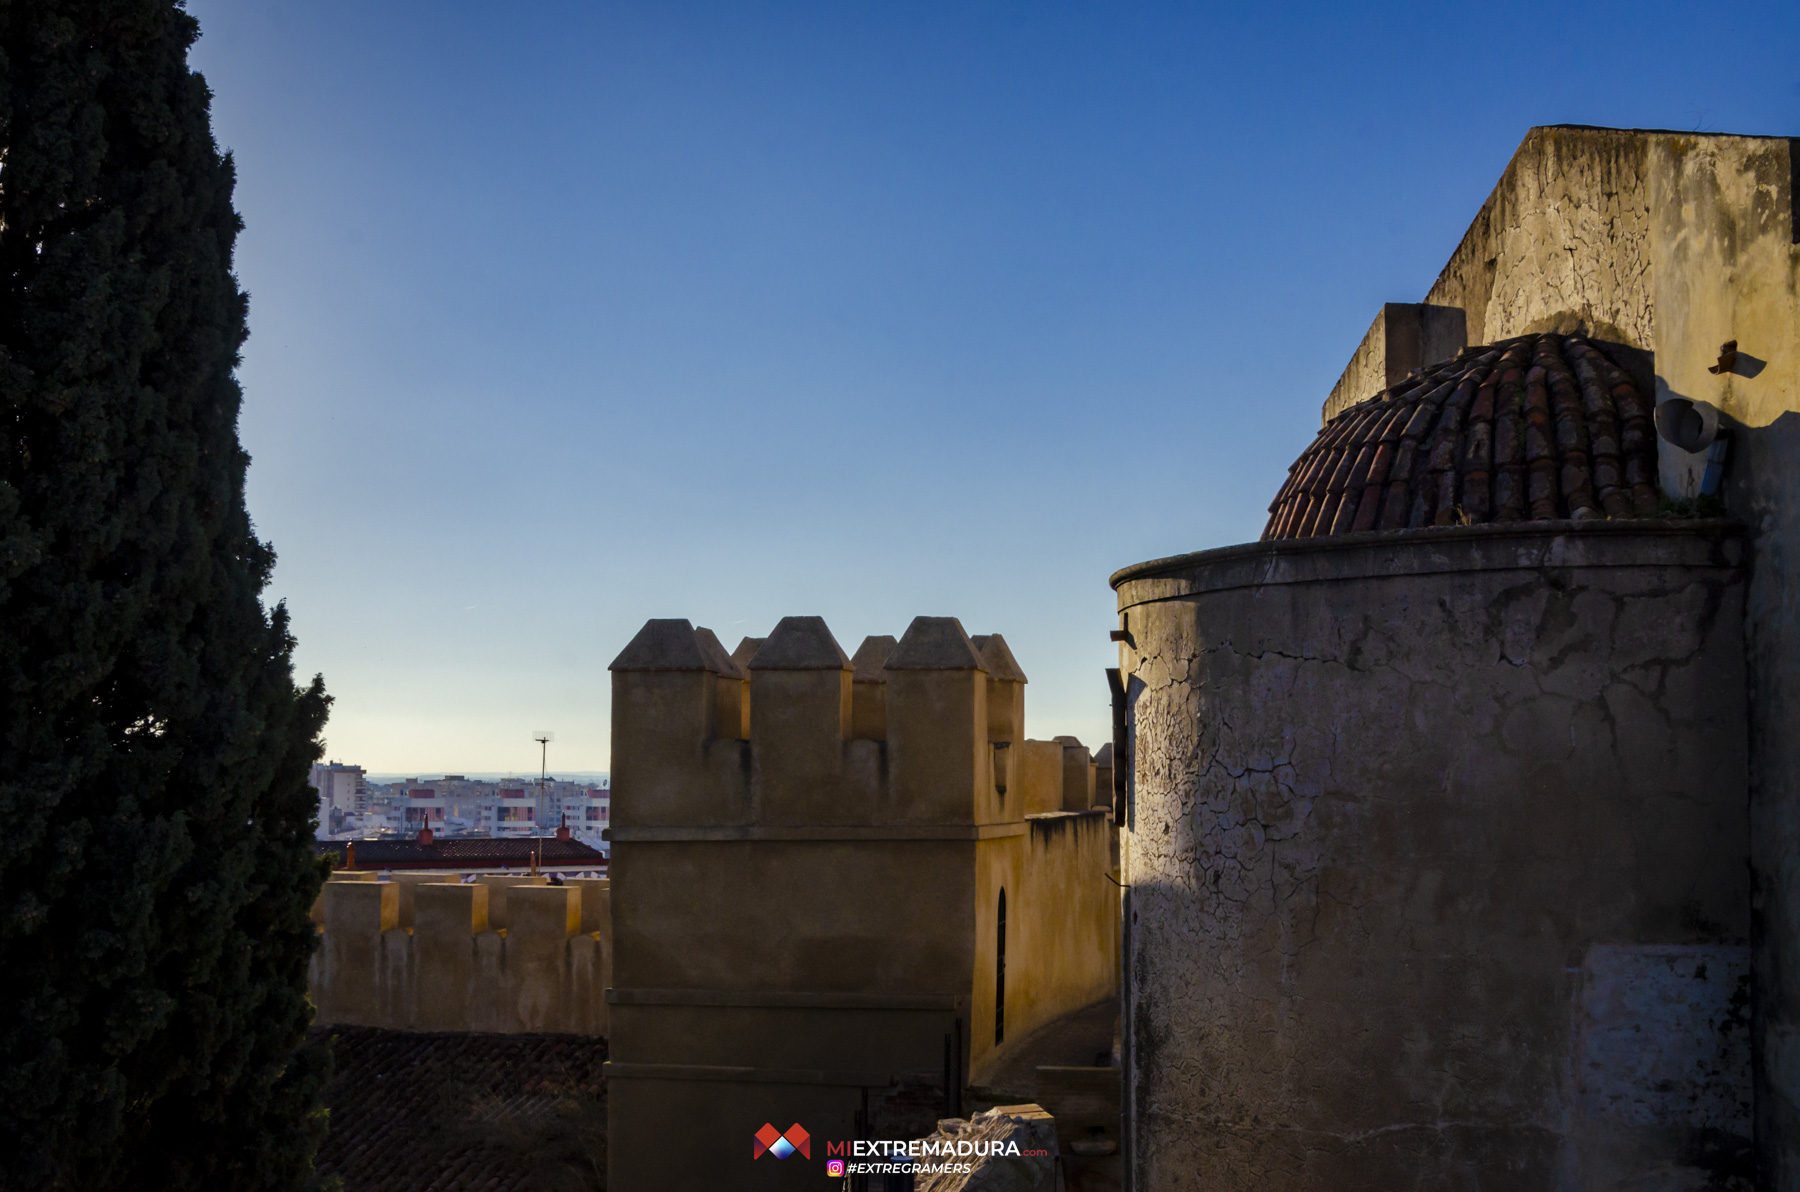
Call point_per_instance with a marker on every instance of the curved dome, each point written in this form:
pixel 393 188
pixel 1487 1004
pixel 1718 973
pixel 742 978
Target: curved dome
pixel 1531 429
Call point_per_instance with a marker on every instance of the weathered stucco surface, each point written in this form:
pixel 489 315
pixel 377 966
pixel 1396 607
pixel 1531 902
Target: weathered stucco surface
pixel 429 952
pixel 807 862
pixel 1404 336
pixel 1062 925
pixel 1562 242
pixel 1417 818
pixel 1678 243
pixel 1727 241
pixel 1699 997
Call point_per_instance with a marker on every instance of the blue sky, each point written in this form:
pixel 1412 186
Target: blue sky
pixel 564 316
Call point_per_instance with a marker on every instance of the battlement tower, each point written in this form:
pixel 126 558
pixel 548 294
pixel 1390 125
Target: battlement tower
pixel 811 853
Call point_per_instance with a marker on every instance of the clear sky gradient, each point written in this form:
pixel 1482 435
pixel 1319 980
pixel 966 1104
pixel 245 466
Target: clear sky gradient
pixel 565 316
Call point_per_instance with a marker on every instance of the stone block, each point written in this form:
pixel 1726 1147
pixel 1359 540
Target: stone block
pixel 446 919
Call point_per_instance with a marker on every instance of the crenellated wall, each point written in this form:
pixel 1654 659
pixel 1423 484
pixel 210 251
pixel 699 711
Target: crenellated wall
pixel 808 850
pixel 428 952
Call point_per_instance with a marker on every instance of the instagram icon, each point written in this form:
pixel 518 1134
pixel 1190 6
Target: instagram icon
pixel 834 1167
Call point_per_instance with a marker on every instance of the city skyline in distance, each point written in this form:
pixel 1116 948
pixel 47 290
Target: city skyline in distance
pixel 385 777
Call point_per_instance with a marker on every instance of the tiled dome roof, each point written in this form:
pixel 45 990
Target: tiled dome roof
pixel 1530 429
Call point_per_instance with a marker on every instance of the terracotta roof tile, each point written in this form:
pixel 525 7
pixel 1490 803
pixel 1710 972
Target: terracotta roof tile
pixel 428 1111
pixel 1541 427
pixel 465 852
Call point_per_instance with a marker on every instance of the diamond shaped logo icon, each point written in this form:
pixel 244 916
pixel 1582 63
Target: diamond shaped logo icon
pixel 770 1141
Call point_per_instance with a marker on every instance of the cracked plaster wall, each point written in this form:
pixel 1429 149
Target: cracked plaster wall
pixel 1562 242
pixel 1404 336
pixel 1387 798
pixel 1727 237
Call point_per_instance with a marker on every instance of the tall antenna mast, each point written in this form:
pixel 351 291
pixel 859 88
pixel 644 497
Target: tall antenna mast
pixel 543 737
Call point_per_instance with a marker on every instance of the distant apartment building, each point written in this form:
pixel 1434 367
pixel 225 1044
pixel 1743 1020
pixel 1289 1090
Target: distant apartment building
pixel 585 809
pixel 456 805
pixel 513 812
pixel 588 814
pixel 424 808
pixel 343 793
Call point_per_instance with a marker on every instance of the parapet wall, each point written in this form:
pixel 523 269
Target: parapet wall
pixel 1564 243
pixel 1403 338
pixel 1062 928
pixel 429 952
pixel 809 850
pixel 1532 258
pixel 926 730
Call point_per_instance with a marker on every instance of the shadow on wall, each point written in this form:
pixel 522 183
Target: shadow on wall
pixel 1422 863
pixel 1755 480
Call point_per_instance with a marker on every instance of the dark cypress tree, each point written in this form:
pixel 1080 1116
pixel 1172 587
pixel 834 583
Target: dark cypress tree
pixel 155 823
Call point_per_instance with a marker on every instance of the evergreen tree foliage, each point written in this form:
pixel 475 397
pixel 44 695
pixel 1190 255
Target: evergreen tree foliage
pixel 156 866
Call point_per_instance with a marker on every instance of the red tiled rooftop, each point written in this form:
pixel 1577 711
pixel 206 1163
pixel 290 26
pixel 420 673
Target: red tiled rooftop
pixel 1538 428
pixel 431 1112
pixel 466 852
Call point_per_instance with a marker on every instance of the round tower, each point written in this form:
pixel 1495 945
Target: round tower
pixel 1436 835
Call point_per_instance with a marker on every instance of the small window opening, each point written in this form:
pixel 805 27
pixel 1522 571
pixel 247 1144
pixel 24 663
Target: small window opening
pixel 1000 973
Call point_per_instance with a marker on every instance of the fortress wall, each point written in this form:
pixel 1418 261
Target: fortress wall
pixel 498 884
pixel 796 915
pixel 452 968
pixel 810 756
pixel 1062 926
pixel 797 918
pixel 1436 861
pixel 939 755
pixel 1077 776
pixel 349 875
pixel 1563 240
pixel 799 940
pixel 674 766
pixel 1726 230
pixel 799 756
pixel 1404 336
pixel 1677 243
pixel 1042 778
